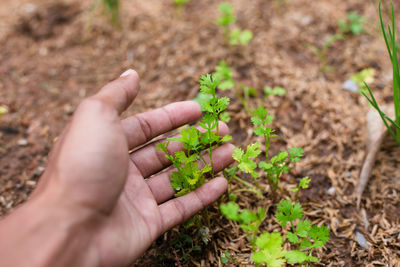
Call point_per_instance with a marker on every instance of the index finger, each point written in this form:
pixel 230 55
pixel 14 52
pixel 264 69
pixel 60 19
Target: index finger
pixel 141 128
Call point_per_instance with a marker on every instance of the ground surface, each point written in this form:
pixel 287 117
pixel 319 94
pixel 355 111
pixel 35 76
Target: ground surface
pixel 49 61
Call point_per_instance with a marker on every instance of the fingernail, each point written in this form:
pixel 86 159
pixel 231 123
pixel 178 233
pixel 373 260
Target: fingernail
pixel 127 73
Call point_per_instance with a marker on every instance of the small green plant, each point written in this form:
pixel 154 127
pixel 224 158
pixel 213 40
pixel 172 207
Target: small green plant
pixel 352 24
pixel 269 91
pixel 392 48
pixel 321 53
pixel 301 238
pixel 189 175
pixel 273 168
pixel 242 37
pixel 278 164
pixel 227 18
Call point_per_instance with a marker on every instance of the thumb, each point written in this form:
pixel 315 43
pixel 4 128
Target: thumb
pixel 120 93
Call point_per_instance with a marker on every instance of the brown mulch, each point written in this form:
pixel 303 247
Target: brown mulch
pixel 50 60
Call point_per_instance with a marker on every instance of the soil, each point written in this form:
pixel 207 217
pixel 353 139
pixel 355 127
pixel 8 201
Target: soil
pixel 55 53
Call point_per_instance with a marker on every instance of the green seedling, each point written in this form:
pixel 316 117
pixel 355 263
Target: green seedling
pixel 226 19
pixel 302 185
pixel 278 164
pixel 268 247
pixel 269 91
pixel 224 73
pixel 303 235
pixel 392 48
pixel 362 77
pixel 191 167
pixel 240 37
pixel 352 24
pixel 273 167
pixel 245 163
pixel 321 53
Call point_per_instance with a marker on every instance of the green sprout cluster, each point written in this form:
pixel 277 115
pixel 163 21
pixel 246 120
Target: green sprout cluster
pixel 226 19
pixel 352 24
pixel 302 237
pixel 272 168
pixel 191 166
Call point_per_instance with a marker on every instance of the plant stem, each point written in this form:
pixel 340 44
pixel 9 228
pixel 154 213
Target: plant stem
pixel 255 190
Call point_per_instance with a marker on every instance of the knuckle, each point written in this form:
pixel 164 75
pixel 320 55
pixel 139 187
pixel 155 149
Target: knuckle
pixel 180 209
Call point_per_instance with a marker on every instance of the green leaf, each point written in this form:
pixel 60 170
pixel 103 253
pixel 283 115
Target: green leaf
pixel 247 166
pixel 224 260
pixel 279 158
pixel 304 182
pixel 247 216
pixel 305 243
pixel 279 91
pixel 245 37
pixel 270 241
pixel 271 251
pixel 320 235
pixel 303 227
pixel 224 117
pixel 227 17
pixel 295 153
pixel 253 150
pixel 288 212
pixel 224 74
pixel 238 154
pixel 226 138
pixel 265 166
pixel 230 210
pixel 295 256
pixel 256 121
pixel 292 237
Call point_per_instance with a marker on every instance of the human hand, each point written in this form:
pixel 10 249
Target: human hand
pixel 93 205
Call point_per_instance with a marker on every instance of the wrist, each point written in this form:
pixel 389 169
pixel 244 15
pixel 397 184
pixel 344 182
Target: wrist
pixel 46 231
